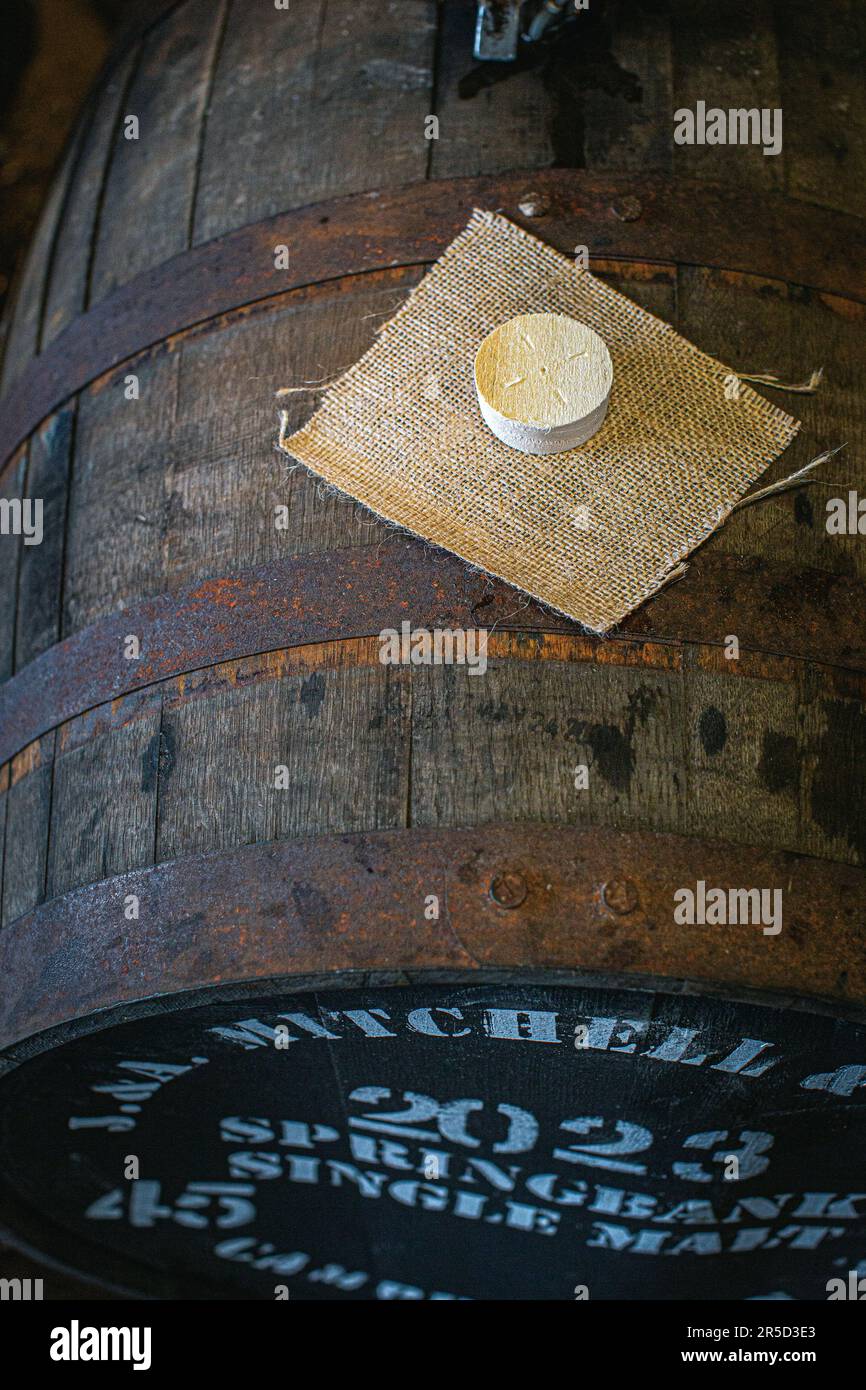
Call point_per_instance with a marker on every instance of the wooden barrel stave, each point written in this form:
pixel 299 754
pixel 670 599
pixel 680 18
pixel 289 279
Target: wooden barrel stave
pixel 65 290
pixel 673 745
pixel 680 742
pixel 157 174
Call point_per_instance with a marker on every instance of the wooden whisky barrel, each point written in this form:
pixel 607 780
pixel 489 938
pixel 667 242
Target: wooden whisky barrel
pixel 329 977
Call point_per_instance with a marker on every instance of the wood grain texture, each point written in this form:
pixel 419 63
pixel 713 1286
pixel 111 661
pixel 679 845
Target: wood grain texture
pixel 229 478
pixel 40 576
pixel 340 736
pixel 491 116
pixel 323 99
pixel 68 285
pixel 103 804
pixel 23 324
pixel 183 483
pixel 11 546
pixel 727 57
pixel 4 796
pixel 695 752
pixel 751 322
pixel 28 813
pixel 159 169
pixel 671 741
pixel 526 727
pixel 821 57
pixel 629 97
pixel 118 499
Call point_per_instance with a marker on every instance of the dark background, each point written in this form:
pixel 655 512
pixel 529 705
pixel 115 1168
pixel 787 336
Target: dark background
pixel 51 52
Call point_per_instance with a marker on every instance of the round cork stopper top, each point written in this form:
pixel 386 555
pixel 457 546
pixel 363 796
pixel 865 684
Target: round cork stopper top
pixel 543 369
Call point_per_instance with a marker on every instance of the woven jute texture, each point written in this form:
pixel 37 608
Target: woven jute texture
pixel 592 532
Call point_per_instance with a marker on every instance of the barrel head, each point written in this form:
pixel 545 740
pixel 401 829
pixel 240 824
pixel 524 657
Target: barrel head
pixel 447 1141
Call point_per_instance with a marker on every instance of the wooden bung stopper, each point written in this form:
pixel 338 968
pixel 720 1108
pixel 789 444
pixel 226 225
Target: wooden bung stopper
pixel 543 382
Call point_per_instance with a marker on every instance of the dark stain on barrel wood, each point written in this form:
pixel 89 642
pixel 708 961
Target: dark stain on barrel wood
pixel 312 694
pixel 613 745
pixel 40 574
pixel 159 758
pixel 780 762
pixel 804 512
pixel 370 589
pixel 570 66
pixel 838 799
pixel 612 753
pixel 713 730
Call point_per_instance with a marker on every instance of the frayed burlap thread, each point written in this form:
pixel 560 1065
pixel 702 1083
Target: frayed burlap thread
pixel 592 532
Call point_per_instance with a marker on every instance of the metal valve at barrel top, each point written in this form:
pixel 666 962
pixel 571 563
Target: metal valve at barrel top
pixel 501 24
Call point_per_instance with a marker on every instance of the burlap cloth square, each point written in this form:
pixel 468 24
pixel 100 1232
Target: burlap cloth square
pixel 592 532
